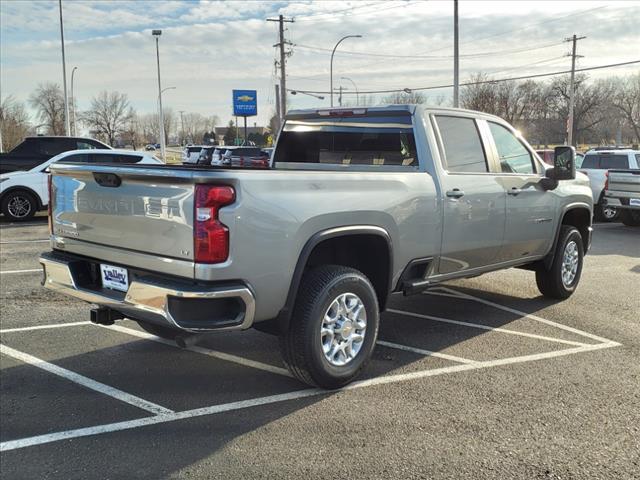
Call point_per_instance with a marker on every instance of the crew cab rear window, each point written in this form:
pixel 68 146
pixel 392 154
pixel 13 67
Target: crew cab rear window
pixel 463 150
pixel 369 140
pixel 604 161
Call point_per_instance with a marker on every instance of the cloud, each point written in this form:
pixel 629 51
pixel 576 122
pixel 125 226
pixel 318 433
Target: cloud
pixel 210 47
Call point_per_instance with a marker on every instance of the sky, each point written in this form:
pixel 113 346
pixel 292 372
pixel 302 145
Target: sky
pixel 208 48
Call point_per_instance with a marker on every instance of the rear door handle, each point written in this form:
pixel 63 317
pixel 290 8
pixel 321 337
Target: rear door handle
pixel 455 193
pixel 514 191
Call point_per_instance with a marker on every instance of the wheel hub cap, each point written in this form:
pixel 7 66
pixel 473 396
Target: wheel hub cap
pixel 19 207
pixel 343 329
pixel 570 260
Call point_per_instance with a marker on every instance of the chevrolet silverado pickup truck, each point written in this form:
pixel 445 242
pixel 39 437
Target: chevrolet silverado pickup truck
pixel 622 191
pixel 359 204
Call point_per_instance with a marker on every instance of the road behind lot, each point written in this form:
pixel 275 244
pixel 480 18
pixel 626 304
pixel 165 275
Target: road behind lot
pixel 460 387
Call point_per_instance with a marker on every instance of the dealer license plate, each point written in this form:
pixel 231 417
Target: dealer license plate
pixel 115 278
pixel 635 202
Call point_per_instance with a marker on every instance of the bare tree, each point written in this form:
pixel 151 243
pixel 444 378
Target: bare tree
pixel 109 115
pixel 48 101
pixel 403 98
pixel 627 100
pixel 14 122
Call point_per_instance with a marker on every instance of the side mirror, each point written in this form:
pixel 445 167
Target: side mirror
pixel 564 163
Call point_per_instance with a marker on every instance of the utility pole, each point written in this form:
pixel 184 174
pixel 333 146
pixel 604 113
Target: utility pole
pixel 182 126
pixel 67 124
pixel 283 55
pixel 156 34
pixel 572 89
pixel 73 105
pixel 340 96
pixel 456 57
pixel 278 109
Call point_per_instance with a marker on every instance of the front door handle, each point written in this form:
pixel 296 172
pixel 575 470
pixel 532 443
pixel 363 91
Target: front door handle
pixel 455 193
pixel 514 191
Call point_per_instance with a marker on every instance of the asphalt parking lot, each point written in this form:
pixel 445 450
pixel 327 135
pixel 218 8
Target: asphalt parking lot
pixel 482 378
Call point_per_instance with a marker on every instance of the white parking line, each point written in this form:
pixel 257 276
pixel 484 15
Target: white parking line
pixel 530 316
pixel 84 381
pixel 485 327
pixel 43 327
pixel 228 407
pixel 31 270
pixel 24 241
pixel 204 351
pixel 427 353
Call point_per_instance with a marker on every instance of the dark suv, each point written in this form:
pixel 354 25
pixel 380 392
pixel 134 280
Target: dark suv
pixel 35 150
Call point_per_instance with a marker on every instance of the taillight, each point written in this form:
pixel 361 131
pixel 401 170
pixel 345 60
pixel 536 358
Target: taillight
pixel 210 236
pixel 49 208
pixel 606 180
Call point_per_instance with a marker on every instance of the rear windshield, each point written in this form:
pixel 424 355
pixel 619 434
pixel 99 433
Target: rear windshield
pixel 246 151
pixel 194 149
pixel 605 161
pixel 371 140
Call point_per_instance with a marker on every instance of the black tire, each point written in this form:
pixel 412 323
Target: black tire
pixel 549 281
pixel 14 202
pixel 301 344
pixel 159 331
pixel 631 218
pixel 606 213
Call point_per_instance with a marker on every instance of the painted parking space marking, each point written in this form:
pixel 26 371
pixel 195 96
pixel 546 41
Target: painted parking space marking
pixel 12 242
pixel 485 327
pixel 84 381
pixel 204 351
pixel 30 270
pixel 44 327
pixel 312 392
pixel 163 415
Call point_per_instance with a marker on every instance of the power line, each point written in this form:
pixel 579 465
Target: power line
pixel 468 55
pixel 336 12
pixel 524 77
pixel 377 10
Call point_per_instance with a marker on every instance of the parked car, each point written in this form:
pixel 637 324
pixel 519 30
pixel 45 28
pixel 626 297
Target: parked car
pixel 622 191
pixel 23 193
pixel 218 154
pixel 149 147
pixel 191 153
pixel 35 150
pixel 311 249
pixel 246 157
pixel 204 157
pixel 595 165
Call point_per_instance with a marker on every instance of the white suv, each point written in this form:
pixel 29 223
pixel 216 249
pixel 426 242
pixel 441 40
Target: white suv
pixel 595 165
pixel 24 192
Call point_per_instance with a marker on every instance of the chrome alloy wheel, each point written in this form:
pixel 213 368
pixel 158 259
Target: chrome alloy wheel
pixel 19 206
pixel 609 212
pixel 343 329
pixel 570 260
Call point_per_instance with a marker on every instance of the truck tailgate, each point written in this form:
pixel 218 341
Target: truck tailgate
pixel 145 210
pixel 625 181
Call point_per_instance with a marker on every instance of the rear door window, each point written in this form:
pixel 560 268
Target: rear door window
pixel 385 140
pixel 76 158
pixel 463 150
pixel 512 154
pixel 604 161
pixel 83 145
pixel 54 146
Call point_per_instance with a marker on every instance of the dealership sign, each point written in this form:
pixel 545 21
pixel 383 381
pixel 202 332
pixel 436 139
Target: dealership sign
pixel 245 103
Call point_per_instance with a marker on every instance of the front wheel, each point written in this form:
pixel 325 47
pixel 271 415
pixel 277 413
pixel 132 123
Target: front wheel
pixel 334 327
pixel 561 279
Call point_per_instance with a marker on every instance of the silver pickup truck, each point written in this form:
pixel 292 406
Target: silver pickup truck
pixel 622 192
pixel 359 204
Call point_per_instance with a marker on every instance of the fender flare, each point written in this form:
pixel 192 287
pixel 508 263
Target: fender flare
pixel 284 316
pixel 548 260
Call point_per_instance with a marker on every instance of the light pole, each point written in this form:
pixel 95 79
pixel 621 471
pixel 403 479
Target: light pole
pixel 73 104
pixel 354 86
pixel 64 74
pixel 331 64
pixel 156 34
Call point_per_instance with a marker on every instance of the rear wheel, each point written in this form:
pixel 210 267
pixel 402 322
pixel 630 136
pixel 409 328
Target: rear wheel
pixel 19 205
pixel 606 213
pixel 561 279
pixel 631 218
pixel 159 331
pixel 333 329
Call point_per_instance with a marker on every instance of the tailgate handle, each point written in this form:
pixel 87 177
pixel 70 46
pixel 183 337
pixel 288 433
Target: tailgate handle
pixel 107 179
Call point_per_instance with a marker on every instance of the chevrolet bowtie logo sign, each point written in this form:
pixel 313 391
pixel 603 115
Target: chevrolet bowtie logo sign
pixel 245 103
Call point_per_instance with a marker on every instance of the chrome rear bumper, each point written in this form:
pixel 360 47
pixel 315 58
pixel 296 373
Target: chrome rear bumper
pixel 150 301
